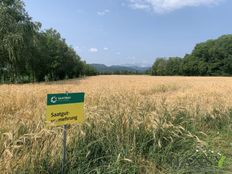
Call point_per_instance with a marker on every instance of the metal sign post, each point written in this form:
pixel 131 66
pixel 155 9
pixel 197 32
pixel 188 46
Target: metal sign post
pixel 64 149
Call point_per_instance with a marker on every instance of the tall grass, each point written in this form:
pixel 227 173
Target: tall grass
pixel 129 128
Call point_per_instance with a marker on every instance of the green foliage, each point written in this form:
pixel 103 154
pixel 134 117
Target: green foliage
pixel 171 66
pixel 28 54
pixel 211 58
pixel 221 161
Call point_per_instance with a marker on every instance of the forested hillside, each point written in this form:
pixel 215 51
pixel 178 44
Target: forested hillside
pixel 29 54
pixel 210 58
pixel 119 69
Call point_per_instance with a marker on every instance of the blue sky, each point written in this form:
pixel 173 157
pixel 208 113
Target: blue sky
pixel 133 31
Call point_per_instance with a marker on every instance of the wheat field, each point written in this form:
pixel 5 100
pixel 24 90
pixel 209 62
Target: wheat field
pixel 134 124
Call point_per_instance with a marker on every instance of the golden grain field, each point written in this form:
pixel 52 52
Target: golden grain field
pixel 25 141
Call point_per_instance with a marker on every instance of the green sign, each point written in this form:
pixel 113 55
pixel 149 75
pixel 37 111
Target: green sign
pixel 56 99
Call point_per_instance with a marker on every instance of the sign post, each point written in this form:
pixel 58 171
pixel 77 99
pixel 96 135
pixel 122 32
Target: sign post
pixel 64 149
pixel 63 109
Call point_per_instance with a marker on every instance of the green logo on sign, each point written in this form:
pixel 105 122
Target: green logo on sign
pixel 56 99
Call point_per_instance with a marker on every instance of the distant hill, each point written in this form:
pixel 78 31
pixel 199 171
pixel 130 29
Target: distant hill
pixel 101 68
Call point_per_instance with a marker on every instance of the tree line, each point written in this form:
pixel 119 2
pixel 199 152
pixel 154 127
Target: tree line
pixel 30 54
pixel 210 58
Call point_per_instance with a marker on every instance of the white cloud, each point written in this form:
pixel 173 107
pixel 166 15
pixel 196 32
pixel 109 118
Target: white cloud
pixel 137 5
pixel 93 50
pixel 118 53
pixel 162 6
pixel 77 48
pixel 105 48
pixel 103 13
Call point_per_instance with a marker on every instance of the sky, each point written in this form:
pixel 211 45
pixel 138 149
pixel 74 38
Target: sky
pixel 133 32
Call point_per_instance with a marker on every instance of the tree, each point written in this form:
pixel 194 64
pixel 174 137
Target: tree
pixel 159 67
pixel 15 35
pixel 213 57
pixel 29 54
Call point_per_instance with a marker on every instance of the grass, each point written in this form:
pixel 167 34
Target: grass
pixel 134 124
